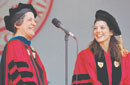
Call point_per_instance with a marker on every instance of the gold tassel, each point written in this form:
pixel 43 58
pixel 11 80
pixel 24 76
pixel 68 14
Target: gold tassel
pixel 121 42
pixel 124 52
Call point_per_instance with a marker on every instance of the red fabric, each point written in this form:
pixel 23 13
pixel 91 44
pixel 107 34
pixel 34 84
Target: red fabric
pixel 41 65
pixel 85 64
pixel 125 70
pixel 17 52
pixel 109 66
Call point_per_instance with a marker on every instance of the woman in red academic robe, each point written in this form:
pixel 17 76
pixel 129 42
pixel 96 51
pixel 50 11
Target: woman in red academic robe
pixel 20 64
pixel 104 62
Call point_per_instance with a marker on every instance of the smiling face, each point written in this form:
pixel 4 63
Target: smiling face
pixel 27 28
pixel 102 32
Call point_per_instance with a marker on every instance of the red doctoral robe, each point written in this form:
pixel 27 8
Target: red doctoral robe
pixel 21 64
pixel 85 71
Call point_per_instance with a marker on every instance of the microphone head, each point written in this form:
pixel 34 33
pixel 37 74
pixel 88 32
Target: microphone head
pixel 56 22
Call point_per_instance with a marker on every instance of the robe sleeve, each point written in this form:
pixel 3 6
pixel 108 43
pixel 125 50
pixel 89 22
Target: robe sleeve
pixel 84 71
pixel 16 63
pixel 127 79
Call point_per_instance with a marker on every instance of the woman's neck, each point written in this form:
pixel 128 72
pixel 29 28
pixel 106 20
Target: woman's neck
pixel 105 45
pixel 20 34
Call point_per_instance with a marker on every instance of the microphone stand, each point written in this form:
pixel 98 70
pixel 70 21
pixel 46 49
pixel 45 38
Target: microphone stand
pixel 66 58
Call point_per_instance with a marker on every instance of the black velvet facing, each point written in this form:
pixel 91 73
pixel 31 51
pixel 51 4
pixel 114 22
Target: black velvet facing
pixel 116 73
pixel 79 77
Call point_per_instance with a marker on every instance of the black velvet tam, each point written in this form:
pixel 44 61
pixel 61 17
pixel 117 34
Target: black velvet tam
pixel 110 20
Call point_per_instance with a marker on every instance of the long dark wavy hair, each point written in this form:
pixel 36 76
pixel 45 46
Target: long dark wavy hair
pixel 114 48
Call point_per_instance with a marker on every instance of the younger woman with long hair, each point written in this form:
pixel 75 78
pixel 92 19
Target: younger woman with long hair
pixel 104 62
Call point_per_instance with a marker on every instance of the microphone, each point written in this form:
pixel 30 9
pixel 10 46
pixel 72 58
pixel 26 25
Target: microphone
pixel 58 24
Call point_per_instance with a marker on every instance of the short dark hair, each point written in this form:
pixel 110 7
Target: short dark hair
pixel 19 22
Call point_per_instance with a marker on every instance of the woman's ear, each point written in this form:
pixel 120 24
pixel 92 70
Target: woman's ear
pixel 16 26
pixel 111 32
